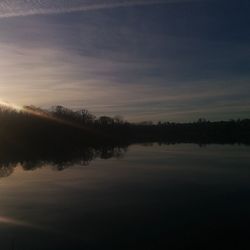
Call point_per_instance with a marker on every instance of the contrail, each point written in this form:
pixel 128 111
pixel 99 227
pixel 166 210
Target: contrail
pixel 15 8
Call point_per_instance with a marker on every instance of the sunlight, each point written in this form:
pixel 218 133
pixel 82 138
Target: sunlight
pixel 39 113
pixel 11 105
pixel 23 109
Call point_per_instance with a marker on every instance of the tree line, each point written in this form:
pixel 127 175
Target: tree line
pixel 60 125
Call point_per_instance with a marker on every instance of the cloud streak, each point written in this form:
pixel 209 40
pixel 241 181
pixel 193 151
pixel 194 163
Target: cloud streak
pixel 150 63
pixel 15 8
pixel 98 85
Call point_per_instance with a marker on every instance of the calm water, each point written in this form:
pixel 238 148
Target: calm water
pixel 150 197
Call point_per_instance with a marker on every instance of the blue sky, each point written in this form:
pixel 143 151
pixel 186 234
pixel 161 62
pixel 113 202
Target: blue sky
pixel 145 60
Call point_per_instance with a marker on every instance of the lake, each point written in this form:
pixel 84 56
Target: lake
pixel 181 196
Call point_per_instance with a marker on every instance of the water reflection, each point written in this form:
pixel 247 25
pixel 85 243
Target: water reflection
pixel 142 197
pixel 60 161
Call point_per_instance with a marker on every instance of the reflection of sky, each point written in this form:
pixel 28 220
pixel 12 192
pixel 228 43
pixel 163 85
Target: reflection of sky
pixel 148 188
pixel 175 60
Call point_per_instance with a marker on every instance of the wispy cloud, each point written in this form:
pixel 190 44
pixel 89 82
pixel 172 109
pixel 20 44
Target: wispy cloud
pixel 98 85
pixel 12 8
pixel 149 63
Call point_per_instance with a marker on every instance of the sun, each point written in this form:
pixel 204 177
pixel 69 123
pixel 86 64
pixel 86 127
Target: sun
pixel 11 105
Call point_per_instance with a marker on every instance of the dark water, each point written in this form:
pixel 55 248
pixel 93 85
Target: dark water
pixel 151 197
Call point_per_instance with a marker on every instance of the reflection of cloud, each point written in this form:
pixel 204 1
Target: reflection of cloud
pixel 10 8
pixel 21 223
pixel 14 222
pixel 6 220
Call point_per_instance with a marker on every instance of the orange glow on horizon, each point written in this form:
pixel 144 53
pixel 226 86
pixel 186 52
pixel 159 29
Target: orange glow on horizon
pixel 41 114
pixel 11 105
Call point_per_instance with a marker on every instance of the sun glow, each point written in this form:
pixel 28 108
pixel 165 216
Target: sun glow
pixel 19 108
pixel 40 113
pixel 11 105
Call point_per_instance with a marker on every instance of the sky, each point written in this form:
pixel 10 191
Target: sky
pixel 169 60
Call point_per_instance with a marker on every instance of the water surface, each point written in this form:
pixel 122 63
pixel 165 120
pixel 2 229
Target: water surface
pixel 146 197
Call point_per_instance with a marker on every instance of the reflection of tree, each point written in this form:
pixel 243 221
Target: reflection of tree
pixel 6 170
pixel 62 125
pixel 57 160
pixel 32 165
pixel 61 137
pixel 108 152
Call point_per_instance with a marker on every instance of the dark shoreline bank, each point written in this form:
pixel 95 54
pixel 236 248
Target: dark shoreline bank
pixel 61 136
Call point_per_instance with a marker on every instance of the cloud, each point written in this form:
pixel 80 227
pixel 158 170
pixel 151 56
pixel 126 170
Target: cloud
pixel 98 85
pixel 155 64
pixel 14 8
